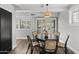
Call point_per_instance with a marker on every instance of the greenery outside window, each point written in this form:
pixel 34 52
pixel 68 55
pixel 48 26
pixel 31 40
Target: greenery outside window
pixel 23 24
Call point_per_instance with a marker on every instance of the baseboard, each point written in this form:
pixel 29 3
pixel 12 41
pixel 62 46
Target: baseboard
pixel 13 47
pixel 76 52
pixel 23 38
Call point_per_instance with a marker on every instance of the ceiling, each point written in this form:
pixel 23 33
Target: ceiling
pixel 41 7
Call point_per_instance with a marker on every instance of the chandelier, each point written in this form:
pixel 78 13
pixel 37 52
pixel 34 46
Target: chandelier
pixel 46 13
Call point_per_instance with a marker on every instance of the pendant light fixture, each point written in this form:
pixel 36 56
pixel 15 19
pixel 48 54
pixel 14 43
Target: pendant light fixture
pixel 46 12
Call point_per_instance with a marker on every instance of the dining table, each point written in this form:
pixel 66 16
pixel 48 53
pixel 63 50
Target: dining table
pixel 40 42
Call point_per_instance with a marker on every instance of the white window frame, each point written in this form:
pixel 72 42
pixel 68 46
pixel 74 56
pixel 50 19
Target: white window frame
pixel 71 11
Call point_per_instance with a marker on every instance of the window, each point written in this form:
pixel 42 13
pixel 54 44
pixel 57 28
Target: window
pixel 17 24
pixel 46 24
pixel 74 16
pixel 23 24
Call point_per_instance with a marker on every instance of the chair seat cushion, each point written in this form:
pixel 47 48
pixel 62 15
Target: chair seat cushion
pixel 50 44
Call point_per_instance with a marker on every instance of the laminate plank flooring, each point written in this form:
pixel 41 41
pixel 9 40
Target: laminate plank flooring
pixel 22 46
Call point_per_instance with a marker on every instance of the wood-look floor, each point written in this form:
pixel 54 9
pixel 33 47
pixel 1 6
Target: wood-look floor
pixel 22 46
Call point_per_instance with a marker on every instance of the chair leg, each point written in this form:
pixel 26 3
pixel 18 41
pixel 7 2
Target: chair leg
pixel 27 49
pixel 66 50
pixel 56 49
pixel 31 50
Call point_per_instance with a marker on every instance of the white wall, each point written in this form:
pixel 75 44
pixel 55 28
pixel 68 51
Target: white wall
pixel 65 28
pixel 10 8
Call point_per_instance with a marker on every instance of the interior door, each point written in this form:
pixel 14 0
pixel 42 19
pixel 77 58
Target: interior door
pixel 6 30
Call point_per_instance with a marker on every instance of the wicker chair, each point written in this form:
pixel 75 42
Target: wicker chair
pixel 33 45
pixel 34 34
pixel 50 46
